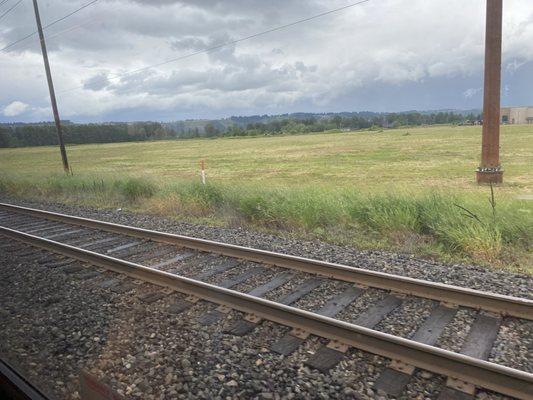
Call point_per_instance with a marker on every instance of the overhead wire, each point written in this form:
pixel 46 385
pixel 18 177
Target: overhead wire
pixel 216 47
pixel 59 33
pixel 49 25
pixel 11 9
pixel 3 2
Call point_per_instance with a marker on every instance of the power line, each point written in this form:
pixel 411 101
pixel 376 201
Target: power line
pixel 72 28
pixel 69 29
pixel 12 8
pixel 49 25
pixel 219 46
pixel 5 1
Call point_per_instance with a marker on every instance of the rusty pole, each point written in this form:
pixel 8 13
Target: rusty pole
pixel 51 89
pixel 490 170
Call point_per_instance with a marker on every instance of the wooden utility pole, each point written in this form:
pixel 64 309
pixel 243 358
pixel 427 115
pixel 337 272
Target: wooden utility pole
pixel 51 89
pixel 490 170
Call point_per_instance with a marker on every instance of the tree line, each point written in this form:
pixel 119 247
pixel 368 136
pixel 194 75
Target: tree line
pixel 23 135
pixel 44 134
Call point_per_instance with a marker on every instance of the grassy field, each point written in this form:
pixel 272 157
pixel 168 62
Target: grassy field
pixel 396 189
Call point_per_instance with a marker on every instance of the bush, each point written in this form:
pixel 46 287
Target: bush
pixel 134 189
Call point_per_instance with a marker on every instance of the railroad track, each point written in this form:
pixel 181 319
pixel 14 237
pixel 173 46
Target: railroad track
pixel 272 286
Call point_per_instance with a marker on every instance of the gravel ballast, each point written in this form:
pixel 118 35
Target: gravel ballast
pixel 471 276
pixel 54 324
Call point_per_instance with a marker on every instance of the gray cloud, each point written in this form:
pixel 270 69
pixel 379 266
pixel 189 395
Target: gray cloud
pixel 97 82
pixel 354 59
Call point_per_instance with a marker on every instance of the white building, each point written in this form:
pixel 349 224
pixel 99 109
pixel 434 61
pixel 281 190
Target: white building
pixel 516 115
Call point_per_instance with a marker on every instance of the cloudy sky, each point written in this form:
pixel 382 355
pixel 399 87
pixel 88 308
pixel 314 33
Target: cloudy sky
pixel 383 55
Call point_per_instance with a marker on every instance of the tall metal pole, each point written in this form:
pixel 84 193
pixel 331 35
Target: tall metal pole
pixel 51 88
pixel 490 170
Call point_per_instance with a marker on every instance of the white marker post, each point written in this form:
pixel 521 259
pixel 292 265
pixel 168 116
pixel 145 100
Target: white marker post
pixel 202 171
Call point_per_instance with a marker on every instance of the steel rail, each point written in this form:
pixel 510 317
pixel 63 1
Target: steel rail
pixel 501 304
pixel 505 380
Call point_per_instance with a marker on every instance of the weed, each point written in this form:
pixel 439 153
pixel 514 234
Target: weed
pixel 134 189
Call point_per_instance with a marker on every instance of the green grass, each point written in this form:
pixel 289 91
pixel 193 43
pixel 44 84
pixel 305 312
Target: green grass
pixel 372 189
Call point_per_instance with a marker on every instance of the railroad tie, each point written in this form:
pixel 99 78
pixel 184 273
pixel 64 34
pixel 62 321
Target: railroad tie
pixel 8 219
pixel 175 259
pixel 88 275
pixel 25 253
pixel 218 269
pixel 160 251
pixel 34 255
pixel 152 297
pixel 249 322
pixel 478 344
pixel 328 356
pixel 60 263
pixel 18 220
pixel 125 246
pixel 181 305
pixel 221 311
pixel 72 268
pixel 243 326
pixel 45 259
pixel 375 314
pixel 395 378
pixel 123 287
pixel 81 238
pixel 22 251
pixel 109 283
pixel 10 245
pixel 93 243
pixel 31 225
pixel 47 227
pixel 290 342
pixel 65 233
pixel 129 250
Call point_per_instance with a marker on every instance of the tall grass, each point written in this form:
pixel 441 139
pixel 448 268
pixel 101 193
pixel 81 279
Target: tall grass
pixel 94 189
pixel 437 219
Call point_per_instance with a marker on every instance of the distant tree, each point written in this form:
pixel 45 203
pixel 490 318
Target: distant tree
pixel 44 134
pixel 337 121
pixel 4 137
pixel 211 130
